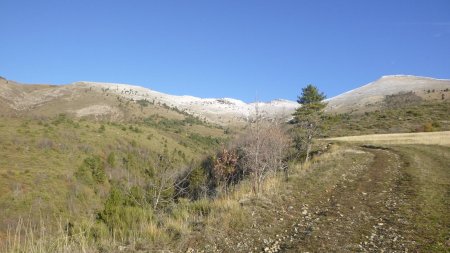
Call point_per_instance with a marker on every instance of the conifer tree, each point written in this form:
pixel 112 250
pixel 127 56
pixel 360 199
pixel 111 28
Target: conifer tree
pixel 308 118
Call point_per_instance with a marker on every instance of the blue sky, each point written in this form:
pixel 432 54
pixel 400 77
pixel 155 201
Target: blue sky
pixel 250 50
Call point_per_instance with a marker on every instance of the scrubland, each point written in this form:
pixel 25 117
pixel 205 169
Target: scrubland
pixel 83 185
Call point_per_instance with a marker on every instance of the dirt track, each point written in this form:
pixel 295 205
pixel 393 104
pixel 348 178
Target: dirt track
pixel 382 206
pixel 360 214
pixel 356 199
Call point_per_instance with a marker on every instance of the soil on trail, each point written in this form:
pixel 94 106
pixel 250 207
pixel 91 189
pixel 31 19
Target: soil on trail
pixel 360 214
pixel 359 199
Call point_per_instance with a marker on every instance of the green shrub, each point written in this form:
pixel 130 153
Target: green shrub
pixel 135 129
pixel 98 231
pixel 197 183
pixel 192 120
pixel 136 197
pixel 428 127
pixel 436 124
pixel 59 119
pixel 201 207
pixel 111 159
pixel 121 214
pixel 414 113
pixel 92 170
pixel 111 213
pixel 143 102
pixel 83 174
pixel 205 140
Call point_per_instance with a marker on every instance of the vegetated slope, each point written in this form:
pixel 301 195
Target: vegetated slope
pixel 121 101
pixel 41 101
pixel 63 169
pixel 370 97
pixel 421 116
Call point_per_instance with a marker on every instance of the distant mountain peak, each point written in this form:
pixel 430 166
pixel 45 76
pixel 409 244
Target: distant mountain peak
pixel 372 94
pixel 404 76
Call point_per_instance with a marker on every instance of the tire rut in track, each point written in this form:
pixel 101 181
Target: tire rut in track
pixel 360 215
pixel 356 200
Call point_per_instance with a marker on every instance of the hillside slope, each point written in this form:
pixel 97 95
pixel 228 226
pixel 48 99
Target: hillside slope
pixel 222 110
pixel 415 117
pixel 121 101
pixel 65 168
pixel 370 96
pixel 114 101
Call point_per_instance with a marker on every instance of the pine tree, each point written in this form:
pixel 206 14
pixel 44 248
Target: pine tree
pixel 310 95
pixel 308 118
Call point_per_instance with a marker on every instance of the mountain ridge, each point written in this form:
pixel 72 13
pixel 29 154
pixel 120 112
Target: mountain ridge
pixel 21 97
pixel 370 96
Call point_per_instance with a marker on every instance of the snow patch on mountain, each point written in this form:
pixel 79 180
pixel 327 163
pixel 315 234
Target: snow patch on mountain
pixel 219 110
pixel 374 92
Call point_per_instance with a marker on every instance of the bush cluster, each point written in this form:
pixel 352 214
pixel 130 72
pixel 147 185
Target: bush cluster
pixel 92 170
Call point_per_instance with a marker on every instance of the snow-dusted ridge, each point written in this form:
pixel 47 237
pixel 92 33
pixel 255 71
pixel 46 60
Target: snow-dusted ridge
pixel 413 76
pixel 386 77
pixel 22 98
pixel 219 110
pixel 374 92
pixel 225 110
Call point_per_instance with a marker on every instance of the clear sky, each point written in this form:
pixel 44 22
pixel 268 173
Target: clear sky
pixel 250 50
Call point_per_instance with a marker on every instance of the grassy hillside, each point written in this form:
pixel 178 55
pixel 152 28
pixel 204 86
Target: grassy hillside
pixel 351 197
pixel 43 101
pixel 424 116
pixel 65 169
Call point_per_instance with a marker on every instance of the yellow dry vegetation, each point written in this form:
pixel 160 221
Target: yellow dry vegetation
pixel 429 138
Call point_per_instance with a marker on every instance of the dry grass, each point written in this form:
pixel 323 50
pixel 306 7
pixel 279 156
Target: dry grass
pixel 173 230
pixel 40 238
pixel 432 138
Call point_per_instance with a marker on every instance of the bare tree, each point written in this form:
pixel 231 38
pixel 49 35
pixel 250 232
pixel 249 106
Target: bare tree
pixel 264 149
pixel 161 187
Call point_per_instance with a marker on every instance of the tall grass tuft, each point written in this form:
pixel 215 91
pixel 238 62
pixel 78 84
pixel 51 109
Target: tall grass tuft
pixel 40 238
